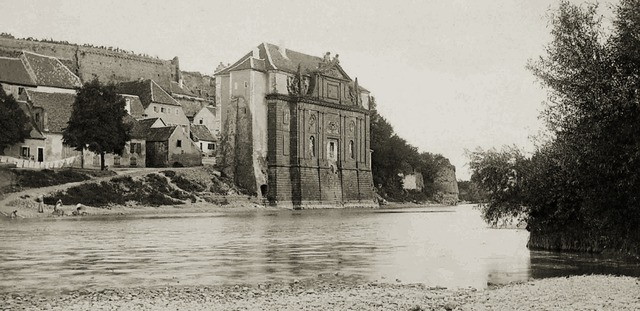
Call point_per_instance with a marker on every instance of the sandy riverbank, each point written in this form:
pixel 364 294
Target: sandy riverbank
pixel 340 293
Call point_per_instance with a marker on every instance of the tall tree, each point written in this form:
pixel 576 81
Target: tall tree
pixel 97 122
pixel 14 124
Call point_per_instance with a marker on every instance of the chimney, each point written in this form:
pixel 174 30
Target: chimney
pixel 282 48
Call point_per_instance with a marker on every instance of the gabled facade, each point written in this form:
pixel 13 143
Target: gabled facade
pixel 209 117
pixel 203 138
pixel 156 102
pixel 36 72
pixel 170 146
pixel 295 129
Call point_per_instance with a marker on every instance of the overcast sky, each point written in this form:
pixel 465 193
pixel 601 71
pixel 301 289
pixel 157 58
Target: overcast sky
pixel 447 74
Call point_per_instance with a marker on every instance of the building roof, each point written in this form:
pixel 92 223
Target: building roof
pixel 49 71
pixel 272 57
pixel 191 108
pixel 140 127
pixel 181 90
pixel 160 133
pixel 148 91
pixel 34 133
pixel 58 107
pixel 137 110
pixel 202 132
pixel 13 71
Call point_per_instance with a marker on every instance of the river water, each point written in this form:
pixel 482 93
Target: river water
pixel 448 246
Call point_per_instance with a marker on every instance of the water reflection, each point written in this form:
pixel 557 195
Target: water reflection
pixel 447 247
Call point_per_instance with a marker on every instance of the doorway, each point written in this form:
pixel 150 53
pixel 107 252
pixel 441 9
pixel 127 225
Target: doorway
pixel 40 154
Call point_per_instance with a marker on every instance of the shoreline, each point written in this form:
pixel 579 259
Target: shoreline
pixel 329 292
pixel 27 208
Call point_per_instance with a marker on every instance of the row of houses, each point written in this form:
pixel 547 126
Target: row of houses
pixel 291 127
pixel 170 127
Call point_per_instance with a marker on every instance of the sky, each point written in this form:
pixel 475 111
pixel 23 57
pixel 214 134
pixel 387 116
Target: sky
pixel 448 75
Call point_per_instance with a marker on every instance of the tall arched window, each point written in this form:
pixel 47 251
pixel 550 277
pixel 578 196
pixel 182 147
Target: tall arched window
pixel 351 150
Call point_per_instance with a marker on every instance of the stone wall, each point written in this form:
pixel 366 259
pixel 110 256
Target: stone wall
pixel 236 148
pixel 446 185
pixel 304 170
pixel 112 64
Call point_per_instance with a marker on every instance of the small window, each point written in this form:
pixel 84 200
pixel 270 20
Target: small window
pixel 285 117
pixel 178 143
pixel 246 84
pixel 133 161
pixel 116 161
pixel 176 111
pixel 155 108
pixel 200 146
pixel 26 152
pixel 200 121
pixel 211 146
pixel 162 109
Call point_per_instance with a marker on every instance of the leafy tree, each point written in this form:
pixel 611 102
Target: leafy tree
pixel 579 190
pixel 97 122
pixel 15 126
pixel 501 175
pixel 392 155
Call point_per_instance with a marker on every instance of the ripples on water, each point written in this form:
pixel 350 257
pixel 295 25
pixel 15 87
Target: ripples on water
pixel 444 246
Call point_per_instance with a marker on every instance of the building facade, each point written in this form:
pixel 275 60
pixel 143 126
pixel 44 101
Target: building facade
pixel 296 129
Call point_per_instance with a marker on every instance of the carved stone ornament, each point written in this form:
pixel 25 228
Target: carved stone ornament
pixel 333 127
pixel 352 126
pixel 293 86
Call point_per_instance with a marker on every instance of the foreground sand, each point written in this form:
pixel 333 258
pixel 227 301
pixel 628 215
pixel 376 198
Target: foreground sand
pixel 338 293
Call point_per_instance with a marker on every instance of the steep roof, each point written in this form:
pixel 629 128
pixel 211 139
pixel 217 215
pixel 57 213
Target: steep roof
pixel 273 57
pixel 34 133
pixel 181 90
pixel 201 132
pixel 13 71
pixel 49 71
pixel 160 133
pixel 148 91
pixel 58 107
pixel 191 108
pixel 148 123
pixel 137 110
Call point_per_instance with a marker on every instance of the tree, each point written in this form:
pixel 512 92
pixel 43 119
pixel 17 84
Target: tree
pixel 579 190
pixel 96 121
pixel 15 126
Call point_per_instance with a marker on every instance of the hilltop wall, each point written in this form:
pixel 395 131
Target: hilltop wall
pixel 104 63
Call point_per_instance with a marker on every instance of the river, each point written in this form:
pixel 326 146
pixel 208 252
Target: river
pixel 446 246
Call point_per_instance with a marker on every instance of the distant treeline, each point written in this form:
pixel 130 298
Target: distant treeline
pixel 393 156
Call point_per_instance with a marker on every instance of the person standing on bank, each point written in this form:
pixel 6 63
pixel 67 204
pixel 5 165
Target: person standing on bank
pixel 41 203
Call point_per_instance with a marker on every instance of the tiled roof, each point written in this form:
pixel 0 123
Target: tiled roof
pixel 49 71
pixel 201 132
pixel 148 91
pixel 160 133
pixel 138 131
pixel 13 71
pixel 148 123
pixel 272 57
pixel 191 108
pixel 213 110
pixel 58 107
pixel 136 105
pixel 176 89
pixel 35 133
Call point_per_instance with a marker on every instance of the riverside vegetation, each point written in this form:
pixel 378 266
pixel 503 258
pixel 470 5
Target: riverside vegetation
pixel 578 191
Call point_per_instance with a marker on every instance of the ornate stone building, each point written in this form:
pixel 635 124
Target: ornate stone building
pixel 295 129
